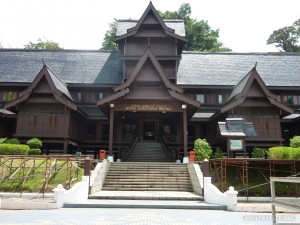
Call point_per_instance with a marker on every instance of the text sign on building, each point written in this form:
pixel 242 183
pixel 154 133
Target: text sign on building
pixel 236 144
pixel 148 107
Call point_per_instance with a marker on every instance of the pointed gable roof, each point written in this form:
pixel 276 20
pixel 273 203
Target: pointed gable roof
pixel 240 91
pixel 151 9
pixel 139 65
pixel 123 89
pixel 57 87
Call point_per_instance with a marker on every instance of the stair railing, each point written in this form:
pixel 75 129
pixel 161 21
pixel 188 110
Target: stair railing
pixel 166 150
pixel 126 153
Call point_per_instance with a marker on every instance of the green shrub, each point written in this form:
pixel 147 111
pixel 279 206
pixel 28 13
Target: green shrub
pixel 218 154
pixel 259 153
pixel 202 149
pixel 283 152
pixel 34 143
pixel 14 149
pixel 294 153
pixel 13 141
pixel 295 142
pixel 3 140
pixel 34 151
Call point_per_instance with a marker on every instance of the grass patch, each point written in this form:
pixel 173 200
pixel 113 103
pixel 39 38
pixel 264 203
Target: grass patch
pixel 258 181
pixel 38 175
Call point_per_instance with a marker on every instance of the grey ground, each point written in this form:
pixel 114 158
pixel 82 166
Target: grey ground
pixel 104 216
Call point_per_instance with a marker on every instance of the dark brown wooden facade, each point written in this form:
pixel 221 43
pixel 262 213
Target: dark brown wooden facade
pixel 148 90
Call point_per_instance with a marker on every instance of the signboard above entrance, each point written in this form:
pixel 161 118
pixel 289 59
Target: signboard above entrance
pixel 147 107
pixel 236 144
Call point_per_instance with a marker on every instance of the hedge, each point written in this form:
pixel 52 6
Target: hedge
pixel 34 151
pixel 283 152
pixel 13 149
pixel 34 143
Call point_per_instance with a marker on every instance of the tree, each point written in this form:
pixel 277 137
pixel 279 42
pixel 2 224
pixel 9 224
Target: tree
pixel 108 42
pixel 203 149
pixel 287 38
pixel 199 34
pixel 43 44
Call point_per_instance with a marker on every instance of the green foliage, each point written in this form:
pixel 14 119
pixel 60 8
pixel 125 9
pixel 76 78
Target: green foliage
pixel 34 151
pixel 43 44
pixel 287 38
pixel 199 34
pixel 13 141
pixel 36 178
pixel 202 149
pixel 34 143
pixel 218 154
pixel 283 152
pixel 14 149
pixel 259 153
pixel 3 140
pixel 108 42
pixel 201 37
pixel 295 142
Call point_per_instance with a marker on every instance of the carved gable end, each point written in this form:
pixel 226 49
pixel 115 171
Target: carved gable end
pixel 255 90
pixel 148 72
pixel 150 19
pixel 42 87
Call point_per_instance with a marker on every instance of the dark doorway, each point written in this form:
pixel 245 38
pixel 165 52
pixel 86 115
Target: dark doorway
pixel 149 130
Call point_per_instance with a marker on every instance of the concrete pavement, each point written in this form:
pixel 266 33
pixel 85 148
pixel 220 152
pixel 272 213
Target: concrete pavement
pixel 138 216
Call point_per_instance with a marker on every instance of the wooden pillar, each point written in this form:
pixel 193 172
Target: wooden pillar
pixel 111 132
pixel 184 118
pixel 66 143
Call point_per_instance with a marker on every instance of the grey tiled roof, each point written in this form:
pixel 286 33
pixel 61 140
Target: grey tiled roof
pixel 276 69
pixel 59 84
pixel 236 127
pixel 177 25
pixel 240 86
pixel 100 67
pixel 93 111
pixel 104 67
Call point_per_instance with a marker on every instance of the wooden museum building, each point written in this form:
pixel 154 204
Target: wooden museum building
pixel 150 90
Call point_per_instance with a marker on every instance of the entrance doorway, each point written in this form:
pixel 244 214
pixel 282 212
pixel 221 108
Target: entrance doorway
pixel 149 129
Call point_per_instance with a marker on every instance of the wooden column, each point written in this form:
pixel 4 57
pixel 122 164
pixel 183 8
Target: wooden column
pixel 184 118
pixel 111 132
pixel 66 143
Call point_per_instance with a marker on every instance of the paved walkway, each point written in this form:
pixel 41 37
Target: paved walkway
pixel 138 217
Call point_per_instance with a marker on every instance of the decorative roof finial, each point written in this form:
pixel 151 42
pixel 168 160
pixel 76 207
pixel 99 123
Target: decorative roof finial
pixel 44 64
pixel 255 65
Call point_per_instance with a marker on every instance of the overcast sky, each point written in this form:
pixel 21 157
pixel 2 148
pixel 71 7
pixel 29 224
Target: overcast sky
pixel 244 25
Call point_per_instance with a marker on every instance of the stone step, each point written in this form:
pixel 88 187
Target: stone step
pixel 146 189
pixel 149 171
pixel 148 151
pixel 147 185
pixel 147 177
pixel 144 181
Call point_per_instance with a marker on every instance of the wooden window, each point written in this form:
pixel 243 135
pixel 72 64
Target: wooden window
pixel 55 121
pixel 279 98
pixel 220 99
pixel 79 96
pixel 35 120
pixel 190 130
pixel 50 121
pixel 91 129
pixel 290 99
pixel 7 96
pixel 99 96
pixel 200 98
